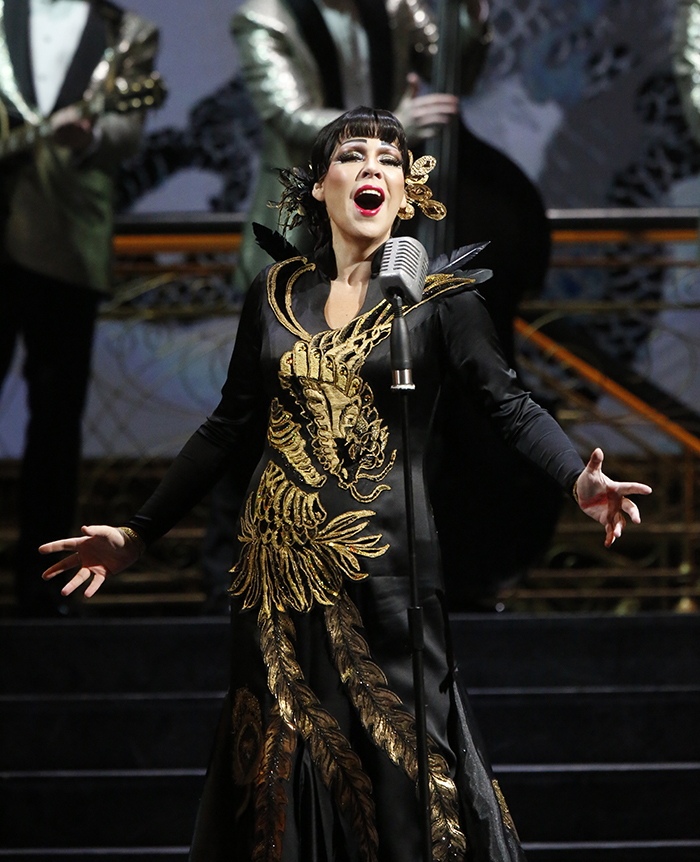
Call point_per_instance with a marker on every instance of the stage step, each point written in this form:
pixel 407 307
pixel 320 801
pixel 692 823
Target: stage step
pixel 493 650
pixel 110 731
pixel 614 851
pixel 583 802
pixel 104 854
pixel 114 655
pixel 574 649
pixel 591 723
pixel 637 851
pixel 595 724
pixel 128 808
pixel 603 802
pixel 143 731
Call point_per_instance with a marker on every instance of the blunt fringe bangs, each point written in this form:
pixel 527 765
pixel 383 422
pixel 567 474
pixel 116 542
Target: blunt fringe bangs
pixel 360 122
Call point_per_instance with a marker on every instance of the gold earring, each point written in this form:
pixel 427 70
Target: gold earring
pixel 419 191
pixel 406 212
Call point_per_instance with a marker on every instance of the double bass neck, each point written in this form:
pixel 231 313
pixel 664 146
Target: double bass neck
pixel 439 237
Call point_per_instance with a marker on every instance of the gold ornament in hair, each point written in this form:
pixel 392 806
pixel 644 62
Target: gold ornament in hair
pixel 418 191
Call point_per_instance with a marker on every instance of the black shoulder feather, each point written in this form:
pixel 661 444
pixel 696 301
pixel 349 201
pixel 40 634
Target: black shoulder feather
pixel 457 259
pixel 274 243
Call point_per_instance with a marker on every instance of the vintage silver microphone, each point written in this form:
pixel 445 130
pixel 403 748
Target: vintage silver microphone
pixel 403 269
pixel 401 277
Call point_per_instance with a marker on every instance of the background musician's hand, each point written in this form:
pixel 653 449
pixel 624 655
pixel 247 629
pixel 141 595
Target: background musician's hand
pixel 71 130
pixel 478 10
pixel 101 551
pixel 604 500
pixel 422 116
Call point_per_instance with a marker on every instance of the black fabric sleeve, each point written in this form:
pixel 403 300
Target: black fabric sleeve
pixel 473 352
pixel 234 429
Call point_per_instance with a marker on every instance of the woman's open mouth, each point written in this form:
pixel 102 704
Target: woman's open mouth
pixel 369 200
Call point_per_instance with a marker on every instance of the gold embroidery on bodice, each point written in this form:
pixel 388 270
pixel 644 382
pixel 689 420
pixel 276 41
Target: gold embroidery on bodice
pixel 285 435
pixel 323 374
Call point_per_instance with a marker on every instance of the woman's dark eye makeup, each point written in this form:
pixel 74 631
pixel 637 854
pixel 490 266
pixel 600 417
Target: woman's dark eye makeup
pixel 357 154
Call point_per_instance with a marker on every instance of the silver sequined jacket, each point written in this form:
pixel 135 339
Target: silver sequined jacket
pixel 686 60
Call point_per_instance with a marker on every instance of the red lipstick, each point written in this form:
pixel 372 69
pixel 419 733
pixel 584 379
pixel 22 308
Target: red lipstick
pixel 369 199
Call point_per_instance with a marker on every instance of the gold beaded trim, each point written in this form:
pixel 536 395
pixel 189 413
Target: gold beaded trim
pixel 134 537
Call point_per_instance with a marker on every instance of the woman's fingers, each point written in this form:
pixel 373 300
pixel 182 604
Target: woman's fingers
pixel 614 528
pixel 630 508
pixel 619 524
pixel 609 536
pixel 412 85
pixel 436 99
pixel 607 501
pixel 435 108
pixel 63 565
pixel 60 545
pixel 76 581
pixel 596 460
pixel 632 488
pixel 97 582
pixel 99 553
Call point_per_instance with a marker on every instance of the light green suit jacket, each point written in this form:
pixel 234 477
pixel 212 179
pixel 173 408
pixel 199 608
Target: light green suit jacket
pixel 58 210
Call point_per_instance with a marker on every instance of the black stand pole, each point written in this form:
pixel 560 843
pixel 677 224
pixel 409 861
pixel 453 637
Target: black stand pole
pixel 401 366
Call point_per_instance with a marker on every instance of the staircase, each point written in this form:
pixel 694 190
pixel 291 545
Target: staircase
pixel 591 722
pixel 592 726
pixel 106 729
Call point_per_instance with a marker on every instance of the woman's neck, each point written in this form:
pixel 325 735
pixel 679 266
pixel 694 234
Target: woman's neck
pixel 353 259
pixel 349 287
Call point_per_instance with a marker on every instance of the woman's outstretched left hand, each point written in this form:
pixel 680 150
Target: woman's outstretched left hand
pixel 604 500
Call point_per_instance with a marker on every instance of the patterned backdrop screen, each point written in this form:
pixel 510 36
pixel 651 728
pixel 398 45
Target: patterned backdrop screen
pixel 578 92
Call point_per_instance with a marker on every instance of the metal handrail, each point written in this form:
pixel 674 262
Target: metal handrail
pixel 191 232
pixel 552 348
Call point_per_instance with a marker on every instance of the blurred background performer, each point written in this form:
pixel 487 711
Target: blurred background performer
pixel 488 197
pixel 685 52
pixel 56 224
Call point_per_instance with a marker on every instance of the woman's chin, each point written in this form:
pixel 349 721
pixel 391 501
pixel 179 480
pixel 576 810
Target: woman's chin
pixel 372 227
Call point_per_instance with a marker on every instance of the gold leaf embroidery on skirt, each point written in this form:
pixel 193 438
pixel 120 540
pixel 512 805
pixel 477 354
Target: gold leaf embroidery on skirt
pixel 246 737
pixel 285 435
pixel 507 818
pixel 338 765
pixel 291 557
pixel 392 727
pixel 270 793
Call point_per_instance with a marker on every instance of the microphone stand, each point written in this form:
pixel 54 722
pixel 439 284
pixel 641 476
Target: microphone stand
pixel 402 375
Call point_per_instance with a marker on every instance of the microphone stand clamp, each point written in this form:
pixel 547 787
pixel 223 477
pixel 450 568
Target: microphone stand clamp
pixel 401 363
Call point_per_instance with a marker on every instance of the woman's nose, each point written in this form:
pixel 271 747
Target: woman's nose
pixel 372 168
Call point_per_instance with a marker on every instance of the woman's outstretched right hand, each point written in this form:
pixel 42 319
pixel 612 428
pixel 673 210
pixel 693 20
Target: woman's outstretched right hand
pixel 101 551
